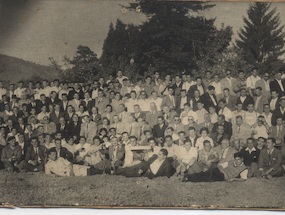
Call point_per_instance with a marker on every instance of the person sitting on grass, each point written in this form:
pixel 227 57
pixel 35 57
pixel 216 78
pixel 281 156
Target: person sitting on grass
pixel 11 155
pixel 35 157
pixel 270 161
pixel 62 167
pixel 228 171
pixel 207 159
pixel 186 157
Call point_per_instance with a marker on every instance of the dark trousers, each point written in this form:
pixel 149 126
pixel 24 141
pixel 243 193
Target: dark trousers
pixel 211 175
pixel 31 168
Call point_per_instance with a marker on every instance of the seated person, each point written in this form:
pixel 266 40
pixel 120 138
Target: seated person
pixel 35 157
pixel 250 157
pixel 155 147
pixel 94 155
pixel 62 151
pixel 62 167
pixel 228 171
pixel 186 157
pixel 225 152
pixel 116 153
pixel 270 161
pixel 11 155
pixel 207 158
pixel 82 149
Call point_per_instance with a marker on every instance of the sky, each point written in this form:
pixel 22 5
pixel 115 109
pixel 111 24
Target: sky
pixel 35 30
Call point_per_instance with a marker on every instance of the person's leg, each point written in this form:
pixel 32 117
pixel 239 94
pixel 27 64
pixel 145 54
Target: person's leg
pixel 253 170
pixel 216 175
pixel 278 172
pixel 9 167
pixel 198 177
pixel 94 171
pixel 29 167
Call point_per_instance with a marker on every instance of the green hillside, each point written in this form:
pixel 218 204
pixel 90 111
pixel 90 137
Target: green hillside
pixel 13 69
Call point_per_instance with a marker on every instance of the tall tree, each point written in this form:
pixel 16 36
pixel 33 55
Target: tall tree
pixel 261 41
pixel 173 39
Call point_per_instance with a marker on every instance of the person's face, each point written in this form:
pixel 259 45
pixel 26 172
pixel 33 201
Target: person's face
pixel 81 108
pixel 21 138
pixel 260 143
pixel 181 136
pixel 160 156
pixel 176 120
pixel 266 76
pixel 177 79
pixel 250 144
pixel 47 139
pixel 125 137
pixel 74 118
pixel 269 144
pixel 266 108
pixel 114 141
pixel 137 109
pixel 86 96
pixel 279 121
pixel 183 93
pixel 120 74
pixel 241 75
pixel 257 92
pixel 170 91
pixel 76 96
pixel 243 93
pixel 133 142
pixel 207 147
pixel 133 95
pixel 192 133
pixel 116 119
pixel 34 143
pixel 143 95
pixel 52 156
pixel 94 110
pixel 228 74
pixel 238 161
pixel 239 121
pixel 199 81
pixel 190 120
pixel 274 94
pixel 96 142
pixel 236 145
pixel 278 75
pixel 239 107
pixel 250 108
pixel 199 105
pixel 220 130
pixel 224 144
pixel 204 134
pixel 220 120
pixel 160 121
pixel 62 121
pixel 226 93
pixel 82 140
pixel 105 121
pixel 168 142
pixel 222 105
pixel 187 145
pixel 58 144
pixel 188 78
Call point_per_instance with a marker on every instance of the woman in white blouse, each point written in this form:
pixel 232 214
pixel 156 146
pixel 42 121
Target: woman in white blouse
pixel 204 135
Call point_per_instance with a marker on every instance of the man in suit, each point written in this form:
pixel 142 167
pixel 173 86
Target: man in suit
pixel 274 100
pixel 152 115
pixel 116 153
pixel 278 84
pixel 219 135
pixel 241 131
pixel 64 103
pixel 278 132
pixel 88 129
pixel 181 100
pixel 108 113
pixel 169 100
pixel 54 98
pixel 270 161
pixel 222 121
pixel 230 99
pixel 71 129
pixel 279 112
pixel 207 124
pixel 209 98
pixel 56 114
pixel 177 125
pixel 76 89
pixel 153 167
pixel 198 86
pixel 143 126
pixel 123 114
pixel 159 129
pixel 225 152
pixel 62 151
pixel 168 114
pixel 101 101
pixel 88 102
pixel 192 136
pixel 259 100
pixel 49 127
pixel 35 157
pixel 244 99
pixel 227 82
pixel 62 127
pixel 138 113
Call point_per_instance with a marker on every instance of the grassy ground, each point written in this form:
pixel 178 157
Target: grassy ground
pixel 106 190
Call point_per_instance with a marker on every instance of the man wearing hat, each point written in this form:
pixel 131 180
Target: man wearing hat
pixel 11 155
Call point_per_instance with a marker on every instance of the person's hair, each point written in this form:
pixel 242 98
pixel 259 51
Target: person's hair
pixel 250 139
pixel 211 87
pixel 51 150
pixel 238 154
pixel 205 142
pixel 223 101
pixel 57 139
pixel 262 138
pixel 258 88
pixel 272 139
pixel 239 117
pixel 133 137
pixel 97 138
pixel 191 128
pixel 204 129
pixel 168 136
pixel 164 152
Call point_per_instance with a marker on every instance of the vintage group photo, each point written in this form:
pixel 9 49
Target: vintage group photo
pixel 142 103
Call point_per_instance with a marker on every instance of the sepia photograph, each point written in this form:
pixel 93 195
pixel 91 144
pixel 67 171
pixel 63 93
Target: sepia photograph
pixel 142 104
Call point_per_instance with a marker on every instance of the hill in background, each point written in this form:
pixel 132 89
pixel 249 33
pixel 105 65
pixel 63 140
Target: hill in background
pixel 14 69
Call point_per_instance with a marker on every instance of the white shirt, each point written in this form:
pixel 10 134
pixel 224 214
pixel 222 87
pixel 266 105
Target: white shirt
pixel 260 131
pixel 227 113
pixel 273 104
pixel 183 101
pixel 199 144
pixel 157 102
pixel 218 87
pixel 186 85
pixel 267 118
pixel 184 116
pixel 154 167
pixel 187 156
pixel 250 118
pixel 257 102
pixel 251 81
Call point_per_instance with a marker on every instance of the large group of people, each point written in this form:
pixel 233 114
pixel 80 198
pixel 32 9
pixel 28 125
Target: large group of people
pixel 188 128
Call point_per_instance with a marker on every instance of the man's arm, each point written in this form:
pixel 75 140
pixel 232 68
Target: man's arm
pixel 243 176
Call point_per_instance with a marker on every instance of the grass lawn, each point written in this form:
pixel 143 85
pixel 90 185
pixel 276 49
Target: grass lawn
pixel 37 189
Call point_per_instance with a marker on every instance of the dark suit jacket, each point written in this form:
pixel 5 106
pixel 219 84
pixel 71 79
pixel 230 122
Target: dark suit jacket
pixel 274 86
pixel 157 131
pixel 89 105
pixel 208 101
pixel 151 119
pixel 192 89
pixel 55 101
pixel 249 158
pixel 227 127
pixel 63 131
pixel 120 153
pixel 73 129
pixel 231 103
pixel 54 118
pixel 274 160
pixel 141 115
pixel 72 92
pixel 164 170
pixel 217 139
pixel 248 100
pixel 31 154
pixel 277 114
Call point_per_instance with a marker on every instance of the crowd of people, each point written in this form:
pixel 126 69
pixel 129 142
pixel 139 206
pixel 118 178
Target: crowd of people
pixel 188 128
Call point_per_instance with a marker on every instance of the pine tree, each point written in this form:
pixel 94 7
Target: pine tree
pixel 261 41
